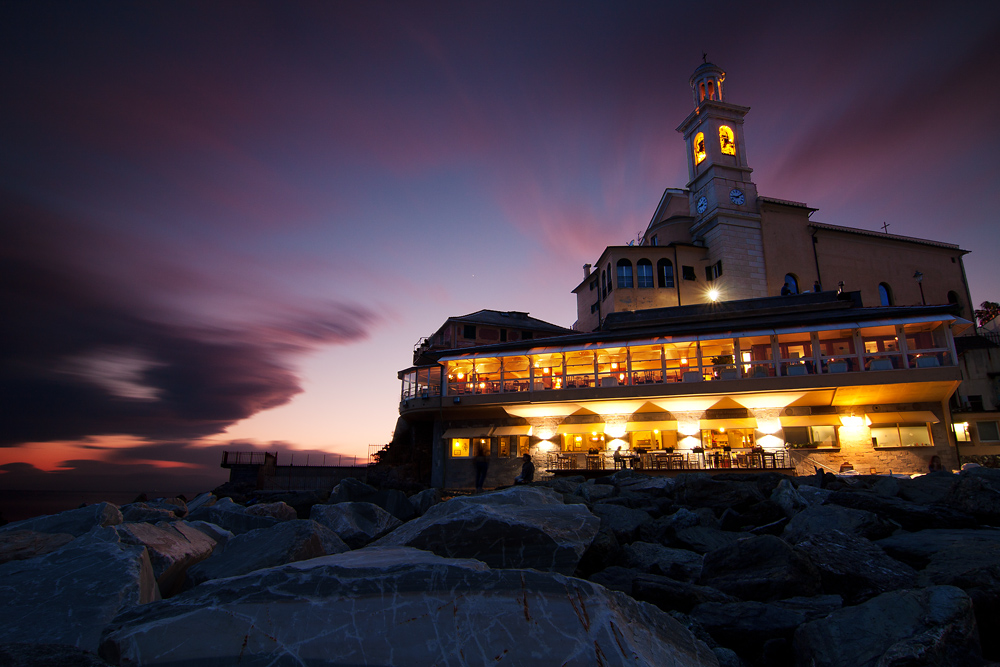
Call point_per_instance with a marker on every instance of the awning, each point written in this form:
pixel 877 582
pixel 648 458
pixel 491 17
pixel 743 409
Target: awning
pixel 652 426
pixel 747 422
pixel 513 430
pixel 914 417
pixel 472 432
pixel 573 429
pixel 811 420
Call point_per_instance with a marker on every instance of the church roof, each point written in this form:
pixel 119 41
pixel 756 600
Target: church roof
pixel 509 318
pixel 883 235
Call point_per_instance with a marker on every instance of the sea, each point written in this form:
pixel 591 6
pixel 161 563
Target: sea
pixel 18 505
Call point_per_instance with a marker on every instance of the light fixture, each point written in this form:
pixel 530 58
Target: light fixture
pixel 919 277
pixel 713 294
pixel 853 420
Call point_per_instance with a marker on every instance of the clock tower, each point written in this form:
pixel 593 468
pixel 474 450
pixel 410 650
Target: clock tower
pixel 723 199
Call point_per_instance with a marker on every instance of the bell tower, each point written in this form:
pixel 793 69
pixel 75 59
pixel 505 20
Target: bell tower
pixel 723 199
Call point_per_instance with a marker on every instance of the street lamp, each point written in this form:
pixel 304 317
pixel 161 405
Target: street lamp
pixel 919 277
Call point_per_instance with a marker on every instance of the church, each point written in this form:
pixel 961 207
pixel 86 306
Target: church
pixel 737 333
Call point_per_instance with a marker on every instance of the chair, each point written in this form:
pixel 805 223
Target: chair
pixel 693 376
pixel 760 371
pixel 881 365
pixel 609 382
pixel 795 369
pixel 837 367
pixel 928 362
pixel 731 374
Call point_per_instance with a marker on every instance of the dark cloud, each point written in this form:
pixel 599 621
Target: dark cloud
pixel 85 352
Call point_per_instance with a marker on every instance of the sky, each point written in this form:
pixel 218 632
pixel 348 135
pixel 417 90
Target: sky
pixel 225 225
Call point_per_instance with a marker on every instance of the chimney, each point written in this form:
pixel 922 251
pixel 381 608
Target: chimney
pixel 586 270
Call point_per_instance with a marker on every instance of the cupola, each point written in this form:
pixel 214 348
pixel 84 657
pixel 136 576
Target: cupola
pixel 706 83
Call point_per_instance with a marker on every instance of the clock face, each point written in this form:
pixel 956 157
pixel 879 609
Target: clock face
pixel 702 204
pixel 737 197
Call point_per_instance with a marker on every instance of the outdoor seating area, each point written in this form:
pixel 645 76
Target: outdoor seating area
pixel 746 459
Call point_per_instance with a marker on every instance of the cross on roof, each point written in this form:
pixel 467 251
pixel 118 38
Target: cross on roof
pixel 885 227
pixel 704 57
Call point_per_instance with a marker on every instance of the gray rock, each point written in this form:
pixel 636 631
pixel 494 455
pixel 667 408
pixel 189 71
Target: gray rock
pixel 172 548
pixel 518 527
pixel 702 539
pixel 910 516
pixel 936 623
pixel 141 512
pixel 762 568
pixel 664 528
pixel 672 595
pixel 813 495
pixel 24 544
pixel 916 549
pixel 825 518
pixel 356 523
pixel 217 533
pixel 624 522
pixel 395 503
pixel 603 552
pixel 277 510
pixel 727 657
pixel 75 522
pixel 646 483
pixel 929 489
pixel 286 542
pixel 679 564
pixel 616 578
pixel 382 606
pixel 977 492
pixel 423 501
pixel 700 490
pixel 788 498
pixel 886 487
pixel 69 595
pixel 351 490
pixel 206 499
pixel 593 492
pixel 853 567
pixel 301 500
pixel 234 518
pixel 47 655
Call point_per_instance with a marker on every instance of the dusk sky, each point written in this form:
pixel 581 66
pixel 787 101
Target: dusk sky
pixel 225 225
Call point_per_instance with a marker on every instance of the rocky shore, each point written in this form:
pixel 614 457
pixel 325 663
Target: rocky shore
pixel 731 570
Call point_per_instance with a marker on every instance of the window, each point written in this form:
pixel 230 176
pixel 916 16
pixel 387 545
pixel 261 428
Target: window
pixel 727 141
pixel 611 278
pixel 653 241
pixel 791 285
pixel 593 284
pixel 885 294
pixel 962 432
pixel 714 271
pixel 699 147
pixel 503 335
pixel 624 273
pixel 645 273
pixel 822 436
pixel 665 273
pixel 687 272
pixel 459 447
pixel 527 335
pixel 604 284
pixel 593 307
pixel 469 332
pixel 988 431
pixel 901 435
pixel 513 446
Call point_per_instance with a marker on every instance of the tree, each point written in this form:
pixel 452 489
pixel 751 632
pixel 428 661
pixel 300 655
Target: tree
pixel 987 312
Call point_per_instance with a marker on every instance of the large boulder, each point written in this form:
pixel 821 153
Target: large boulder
pixel 69 595
pixel 700 490
pixel 172 547
pixel 382 606
pixel 142 512
pixel 703 539
pixel 825 518
pixel 928 626
pixel 24 544
pixel 231 516
pixel 977 492
pixel 206 499
pixel 679 564
pixel 927 489
pixel 762 568
pixel 356 523
pixel 788 498
pixel 515 528
pixel 300 500
pixel 286 542
pixel 217 533
pixel 276 510
pixel 853 567
pixel 916 549
pixel 423 501
pixel 351 490
pixel 910 516
pixel 20 654
pixel 624 522
pixel 75 522
pixel 672 595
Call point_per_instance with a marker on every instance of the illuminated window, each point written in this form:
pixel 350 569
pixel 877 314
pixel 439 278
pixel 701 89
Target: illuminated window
pixel 459 446
pixel 665 273
pixel 727 141
pixel 962 432
pixel 645 273
pixel 624 273
pixel 699 147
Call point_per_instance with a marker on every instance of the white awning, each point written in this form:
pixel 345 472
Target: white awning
pixel 811 420
pixel 471 432
pixel 913 417
pixel 576 429
pixel 670 425
pixel 512 430
pixel 746 422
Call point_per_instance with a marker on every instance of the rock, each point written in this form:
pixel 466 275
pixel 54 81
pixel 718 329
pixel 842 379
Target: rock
pixel 853 567
pixel 645 483
pixel 47 655
pixel 301 501
pixel 395 503
pixel 206 499
pixel 916 549
pixel 423 501
pixel 286 542
pixel 624 522
pixel 522 526
pixel 69 595
pixel 813 495
pixel 700 490
pixel 278 510
pixel 929 489
pixel 564 485
pixel 746 627
pixel 616 578
pixel 356 523
pixel 234 518
pixel 172 548
pixel 679 564
pixel 934 625
pixel 825 518
pixel 217 533
pixel 788 498
pixel 593 492
pixel 762 568
pixel 977 492
pixel 141 512
pixel 727 657
pixel 910 516
pixel 886 487
pixel 670 594
pixel 75 522
pixel 601 554
pixel 351 490
pixel 382 606
pixel 24 544
pixel 702 539
pixel 664 528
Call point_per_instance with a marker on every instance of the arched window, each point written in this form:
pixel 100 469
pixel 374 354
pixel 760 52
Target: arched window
pixel 727 141
pixel 644 273
pixel 665 273
pixel 611 278
pixel 604 284
pixel 885 295
pixel 791 285
pixel 624 273
pixel 699 147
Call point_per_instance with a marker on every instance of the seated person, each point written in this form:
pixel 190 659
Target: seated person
pixel 527 471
